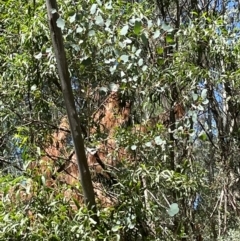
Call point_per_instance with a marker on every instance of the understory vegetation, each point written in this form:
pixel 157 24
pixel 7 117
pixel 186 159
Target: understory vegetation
pixel 156 88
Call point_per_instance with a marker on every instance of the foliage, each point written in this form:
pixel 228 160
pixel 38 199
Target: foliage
pixel 231 235
pixel 176 65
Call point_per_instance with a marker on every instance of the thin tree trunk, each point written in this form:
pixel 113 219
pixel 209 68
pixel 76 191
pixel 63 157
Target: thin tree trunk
pixel 57 40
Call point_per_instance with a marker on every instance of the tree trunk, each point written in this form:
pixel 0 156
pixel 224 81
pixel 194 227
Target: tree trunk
pixel 57 40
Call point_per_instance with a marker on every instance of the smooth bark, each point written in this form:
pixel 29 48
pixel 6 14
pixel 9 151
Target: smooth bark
pixel 74 122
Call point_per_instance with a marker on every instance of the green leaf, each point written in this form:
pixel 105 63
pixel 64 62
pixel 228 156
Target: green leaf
pixel 38 151
pixel 116 228
pixel 108 5
pixel 76 202
pixel 87 62
pixel 169 39
pixel 159 50
pixel 104 89
pixel 194 96
pixel 156 34
pixel 43 179
pixel 60 23
pixel 144 39
pixel 133 147
pixel 92 221
pixel 137 27
pixel 167 28
pixel 99 20
pixel 205 102
pixel 131 226
pixel 75 47
pixel 140 62
pixel 148 144
pixel 138 52
pixel 124 58
pixel 160 61
pixel 79 29
pixel 38 56
pixel 99 2
pixel 114 87
pixel 158 140
pixel 200 107
pixel 91 33
pixel 33 87
pixel 124 30
pixel 173 209
pixel 54 238
pixel 194 117
pixel 144 68
pixel 202 135
pixel 204 94
pixel 93 8
pixel 72 18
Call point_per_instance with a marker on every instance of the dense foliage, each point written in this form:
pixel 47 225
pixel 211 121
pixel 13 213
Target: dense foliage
pixel 174 64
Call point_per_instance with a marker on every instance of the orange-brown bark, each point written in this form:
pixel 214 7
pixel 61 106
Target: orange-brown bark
pixel 110 115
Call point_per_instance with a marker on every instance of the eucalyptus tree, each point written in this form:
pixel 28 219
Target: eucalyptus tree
pixel 177 60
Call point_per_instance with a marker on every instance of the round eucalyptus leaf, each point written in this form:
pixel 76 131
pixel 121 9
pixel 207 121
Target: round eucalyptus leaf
pixel 173 209
pixel 60 23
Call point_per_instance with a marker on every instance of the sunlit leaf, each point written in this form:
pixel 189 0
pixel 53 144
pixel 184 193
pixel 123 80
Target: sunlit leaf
pixel 173 209
pixel 124 30
pixel 112 69
pixel 99 2
pixel 38 56
pixel 99 20
pixel 92 221
pixel 150 23
pixel 156 34
pixel 131 226
pixel 194 96
pixel 93 8
pixel 104 89
pixel 113 87
pixel 91 33
pixel 38 151
pixel 108 5
pixel 133 147
pixel 33 87
pixel 72 18
pixel 79 29
pixel 116 228
pixel 124 58
pixel 205 102
pixel 138 52
pixel 167 28
pixel 75 46
pixel 140 62
pixel 194 117
pixel 200 107
pixel 204 94
pixel 43 179
pixel 60 23
pixel 158 140
pixel 148 144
